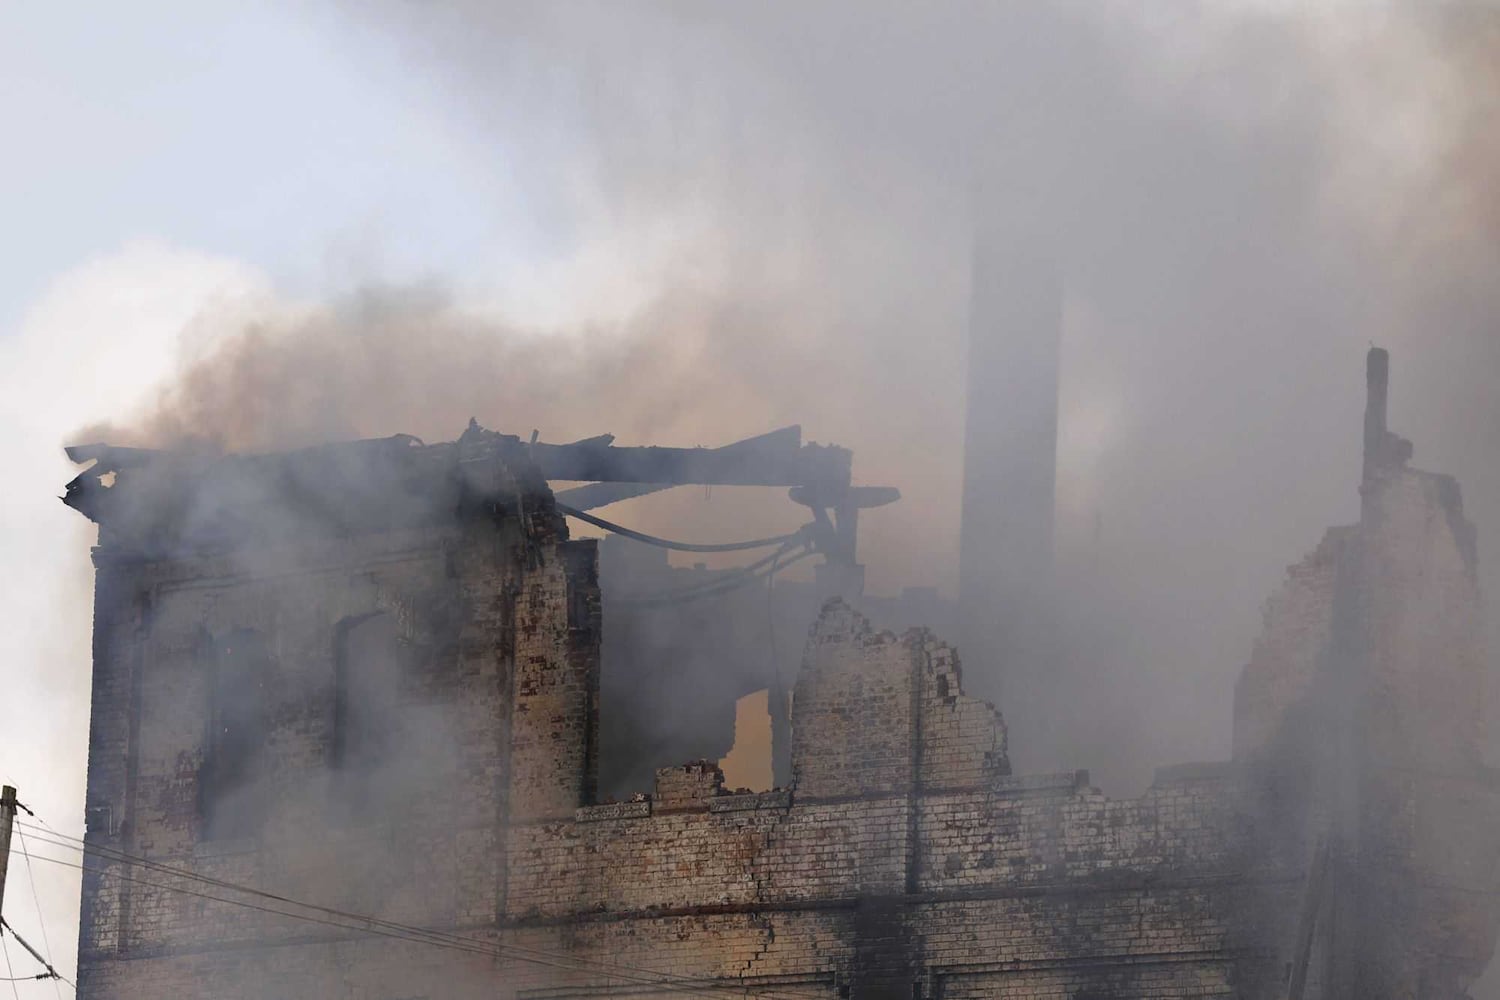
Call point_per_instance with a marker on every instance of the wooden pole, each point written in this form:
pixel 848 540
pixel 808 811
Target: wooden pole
pixel 7 817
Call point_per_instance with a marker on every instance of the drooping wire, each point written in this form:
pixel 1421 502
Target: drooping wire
pixel 666 543
pixel 51 973
pixel 40 919
pixel 413 939
pixel 741 577
pixel 662 981
pixel 49 828
pixel 10 972
pixel 384 928
pixel 437 939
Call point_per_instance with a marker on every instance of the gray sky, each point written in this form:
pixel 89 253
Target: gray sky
pixel 254 131
pixel 731 217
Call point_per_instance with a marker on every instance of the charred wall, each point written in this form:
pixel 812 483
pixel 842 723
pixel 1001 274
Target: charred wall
pixel 903 860
pixel 490 716
pixel 914 867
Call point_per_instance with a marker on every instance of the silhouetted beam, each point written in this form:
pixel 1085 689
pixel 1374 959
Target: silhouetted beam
pixel 750 453
pixel 603 494
pixel 775 459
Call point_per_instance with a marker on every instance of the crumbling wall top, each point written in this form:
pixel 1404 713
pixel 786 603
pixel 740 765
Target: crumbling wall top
pixel 159 503
pixel 876 713
pixel 688 786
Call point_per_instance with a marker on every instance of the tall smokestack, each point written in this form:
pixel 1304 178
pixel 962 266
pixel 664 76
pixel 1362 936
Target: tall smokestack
pixel 1010 474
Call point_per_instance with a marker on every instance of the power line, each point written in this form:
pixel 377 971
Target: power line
pixel 453 942
pixel 51 972
pixel 10 972
pixel 45 826
pixel 479 947
pixel 421 936
pixel 40 919
pixel 391 929
pixel 741 577
pixel 666 543
pixel 703 591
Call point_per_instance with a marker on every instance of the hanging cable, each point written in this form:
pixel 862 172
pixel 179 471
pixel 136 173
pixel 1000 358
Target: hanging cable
pixel 51 972
pixel 666 543
pixel 373 925
pixel 718 587
pixel 40 919
pixel 416 935
pixel 10 973
pixel 730 579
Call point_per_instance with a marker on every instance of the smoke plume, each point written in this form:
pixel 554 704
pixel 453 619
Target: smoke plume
pixel 768 211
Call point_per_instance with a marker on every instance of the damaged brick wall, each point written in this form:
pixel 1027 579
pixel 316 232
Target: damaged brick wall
pixel 905 860
pixel 1362 711
pixel 941 873
pixel 495 616
pixel 968 876
pixel 874 712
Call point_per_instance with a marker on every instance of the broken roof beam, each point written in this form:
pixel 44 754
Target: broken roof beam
pixel 595 495
pixel 781 445
pixel 778 458
pixel 775 459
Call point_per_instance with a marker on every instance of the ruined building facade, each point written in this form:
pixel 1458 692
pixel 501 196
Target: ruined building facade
pixel 366 677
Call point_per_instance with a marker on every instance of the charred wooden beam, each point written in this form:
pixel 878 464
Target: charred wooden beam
pixel 775 459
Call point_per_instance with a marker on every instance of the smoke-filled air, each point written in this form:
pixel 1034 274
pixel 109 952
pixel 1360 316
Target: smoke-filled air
pixel 715 220
pixel 774 211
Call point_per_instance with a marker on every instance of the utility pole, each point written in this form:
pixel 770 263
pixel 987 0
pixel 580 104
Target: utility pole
pixel 7 817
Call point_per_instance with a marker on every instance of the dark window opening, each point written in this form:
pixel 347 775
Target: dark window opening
pixel 230 784
pixel 367 688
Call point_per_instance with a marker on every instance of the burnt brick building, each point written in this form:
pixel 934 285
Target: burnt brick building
pixel 365 677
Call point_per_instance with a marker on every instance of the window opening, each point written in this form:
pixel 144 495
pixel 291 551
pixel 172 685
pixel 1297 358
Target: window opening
pixel 367 681
pixel 748 763
pixel 229 786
